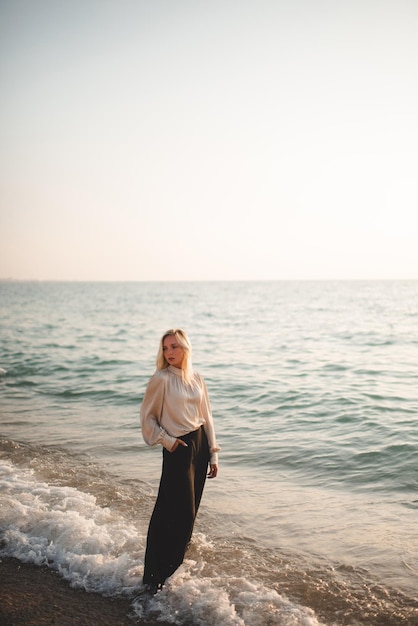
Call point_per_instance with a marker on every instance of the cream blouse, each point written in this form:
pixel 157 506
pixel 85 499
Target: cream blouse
pixel 172 408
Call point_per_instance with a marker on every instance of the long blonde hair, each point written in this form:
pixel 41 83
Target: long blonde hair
pixel 184 341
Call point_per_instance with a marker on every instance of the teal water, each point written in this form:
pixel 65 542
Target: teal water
pixel 314 390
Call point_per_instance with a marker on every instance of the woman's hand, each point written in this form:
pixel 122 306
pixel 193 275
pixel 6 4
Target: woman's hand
pixel 177 443
pixel 213 471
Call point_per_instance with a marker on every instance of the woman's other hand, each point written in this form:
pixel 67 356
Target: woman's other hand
pixel 213 471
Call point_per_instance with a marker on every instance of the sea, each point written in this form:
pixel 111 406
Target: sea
pixel 313 518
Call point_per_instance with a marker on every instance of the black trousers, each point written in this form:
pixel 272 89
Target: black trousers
pixel 181 486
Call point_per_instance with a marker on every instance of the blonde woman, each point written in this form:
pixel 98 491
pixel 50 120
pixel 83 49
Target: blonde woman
pixel 176 414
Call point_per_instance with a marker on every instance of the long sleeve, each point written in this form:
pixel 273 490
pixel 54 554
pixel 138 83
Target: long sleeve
pixel 209 426
pixel 151 411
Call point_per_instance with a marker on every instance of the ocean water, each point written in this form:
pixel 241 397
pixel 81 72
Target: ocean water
pixel 314 390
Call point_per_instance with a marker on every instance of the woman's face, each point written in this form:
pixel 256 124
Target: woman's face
pixel 173 352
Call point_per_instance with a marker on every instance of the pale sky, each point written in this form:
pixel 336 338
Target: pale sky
pixel 208 140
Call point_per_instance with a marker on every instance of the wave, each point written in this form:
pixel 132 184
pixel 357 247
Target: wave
pixel 96 548
pixel 63 511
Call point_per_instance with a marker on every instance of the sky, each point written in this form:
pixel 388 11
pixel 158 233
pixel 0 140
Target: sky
pixel 208 139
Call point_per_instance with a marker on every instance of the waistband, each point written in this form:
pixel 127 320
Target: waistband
pixel 193 434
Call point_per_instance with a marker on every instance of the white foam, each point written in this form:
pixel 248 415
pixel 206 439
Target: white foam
pixel 192 597
pixel 96 548
pixel 91 546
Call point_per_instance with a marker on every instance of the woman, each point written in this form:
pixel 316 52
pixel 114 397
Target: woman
pixel 175 413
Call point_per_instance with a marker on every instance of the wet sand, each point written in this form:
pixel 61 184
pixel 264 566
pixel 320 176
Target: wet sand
pixel 36 596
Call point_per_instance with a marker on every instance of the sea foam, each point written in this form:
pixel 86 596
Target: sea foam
pixel 59 526
pixel 97 549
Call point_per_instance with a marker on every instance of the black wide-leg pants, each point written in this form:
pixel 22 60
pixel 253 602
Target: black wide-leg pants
pixel 181 486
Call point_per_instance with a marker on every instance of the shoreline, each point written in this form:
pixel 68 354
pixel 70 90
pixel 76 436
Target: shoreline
pixel 32 595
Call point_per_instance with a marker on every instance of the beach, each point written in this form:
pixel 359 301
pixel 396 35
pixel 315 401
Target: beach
pixel 312 519
pixel 36 596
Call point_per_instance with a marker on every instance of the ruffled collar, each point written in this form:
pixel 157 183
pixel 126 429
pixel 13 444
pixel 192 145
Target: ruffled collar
pixel 176 370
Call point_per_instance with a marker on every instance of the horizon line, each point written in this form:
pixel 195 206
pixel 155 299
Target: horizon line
pixel 199 280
